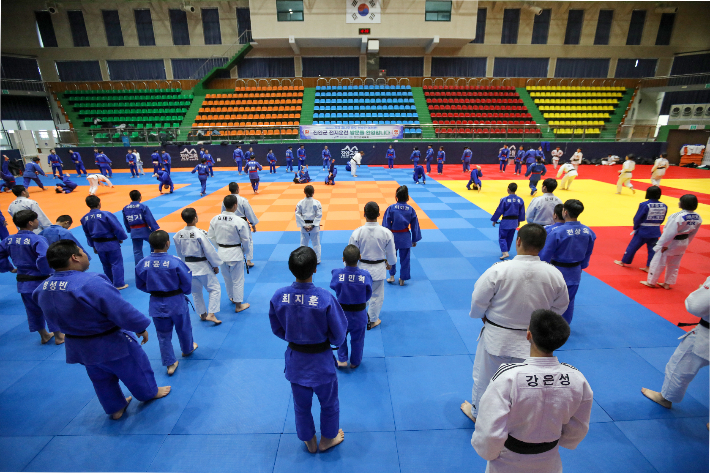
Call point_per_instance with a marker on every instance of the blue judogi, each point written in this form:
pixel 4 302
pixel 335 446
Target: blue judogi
pixel 7 177
pixel 238 156
pixel 54 233
pixel 466 159
pixel 390 157
pixel 539 154
pixel 203 172
pixel 3 227
pixel 440 160
pixel 272 162
pixel 518 160
pixel 131 161
pixel 303 176
pixel 429 158
pixel 289 160
pixel 311 320
pixel 156 162
pixel 549 228
pixel 475 179
pixel 325 154
pixel 99 326
pixel 32 172
pixel 353 288
pixel 28 252
pixel 419 173
pixel 530 156
pixel 253 168
pixel 167 162
pixel 503 154
pixel 512 210
pixel 647 229
pixel 401 219
pixel 301 154
pixel 139 223
pixel 168 280
pixel 569 248
pixel 210 162
pixel 78 163
pixel 415 157
pixel 104 164
pixel 536 171
pixel 164 180
pixel 56 163
pixel 104 234
pixel 331 180
pixel 67 184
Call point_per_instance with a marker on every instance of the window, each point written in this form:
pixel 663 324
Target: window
pixel 112 25
pixel 244 25
pixel 178 25
pixel 575 18
pixel 331 66
pixel 78 28
pixel 437 10
pixel 581 67
pixel 287 10
pixel 520 67
pixel 638 18
pixel 136 69
pixel 78 70
pixel 601 37
pixel 665 29
pixel 635 68
pixel 144 27
pixel 210 26
pixel 20 68
pixel 541 27
pixel 45 29
pixel 458 66
pixel 511 22
pixel 480 26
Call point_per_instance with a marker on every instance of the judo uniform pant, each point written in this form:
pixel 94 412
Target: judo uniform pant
pixel 466 166
pixel 485 366
pixel 80 167
pixel 567 181
pixel 503 165
pixel 468 186
pixel 329 410
pixel 57 169
pixel 390 163
pixel 682 368
pixel 106 170
pixel 138 249
pixel 357 326
pixel 378 298
pixel 507 462
pixel 533 184
pixel 505 238
pixel 403 257
pixel 35 317
pixel 555 162
pixel 160 187
pixel 289 165
pixel 239 166
pixel 656 178
pixel 301 163
pixel 440 168
pixel 325 164
pixel 27 181
pixel 94 185
pixel 272 168
pixel 569 313
pixel 135 372
pixel 428 167
pixel 314 237
pixel 139 168
pixel 624 180
pixel 353 170
pixel 134 170
pixel 156 168
pixel 211 170
pixel 203 184
pixel 211 284
pixel 233 274
pixel 164 329
pixel 112 261
pixel 167 167
pixel 670 261
pixel 634 245
pixel 255 184
pixel 518 168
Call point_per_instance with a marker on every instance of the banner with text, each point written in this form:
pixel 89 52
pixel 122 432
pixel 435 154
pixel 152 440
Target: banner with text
pixel 352 132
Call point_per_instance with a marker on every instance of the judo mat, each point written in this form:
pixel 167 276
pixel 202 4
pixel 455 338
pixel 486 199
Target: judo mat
pixel 230 408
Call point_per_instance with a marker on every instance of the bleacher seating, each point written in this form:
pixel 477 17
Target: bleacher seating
pixel 252 111
pixel 465 111
pixel 367 105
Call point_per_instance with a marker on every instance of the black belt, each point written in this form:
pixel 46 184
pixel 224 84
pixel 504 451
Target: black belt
pixel 194 259
pixel 27 277
pixel 95 335
pixel 510 217
pixel 565 265
pixel 308 221
pixel 702 323
pixel 367 261
pixel 501 326
pixel 525 448
pixel 684 236
pixel 659 168
pixel 104 240
pixel 310 348
pixel 176 292
pixel 354 307
pixel 229 246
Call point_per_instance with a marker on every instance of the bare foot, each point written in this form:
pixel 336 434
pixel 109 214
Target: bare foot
pixel 466 408
pixel 620 263
pixel 194 347
pixel 241 307
pixel 171 370
pixel 664 285
pixel 326 443
pixel 58 338
pixel 352 367
pixel 122 287
pixel 375 324
pixel 119 414
pixel 212 318
pixel 250 264
pixel 644 269
pixel 162 392
pixel 656 397
pixel 647 284
pixel 46 336
pixel 342 364
pixel 312 445
pixel 390 279
pixel 633 191
pixel 401 282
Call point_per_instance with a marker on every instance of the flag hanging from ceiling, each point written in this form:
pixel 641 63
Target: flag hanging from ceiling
pixel 363 11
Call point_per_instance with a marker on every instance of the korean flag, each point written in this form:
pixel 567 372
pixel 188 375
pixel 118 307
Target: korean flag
pixel 363 11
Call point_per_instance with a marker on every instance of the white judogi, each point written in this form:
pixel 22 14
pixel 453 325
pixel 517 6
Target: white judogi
pixel 537 401
pixel 556 155
pixel 610 160
pixel 576 159
pixel 23 203
pixel 354 163
pixel 658 171
pixel 309 212
pixel 679 224
pixel 692 353
pixel 192 242
pixel 511 152
pixel 95 180
pixel 570 173
pixel 139 163
pixel 507 294
pixel 625 175
pixel 228 229
pixel 245 211
pixel 376 243
pixel 542 209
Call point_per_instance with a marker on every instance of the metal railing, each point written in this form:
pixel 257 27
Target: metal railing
pixel 23 85
pixel 679 80
pixel 216 60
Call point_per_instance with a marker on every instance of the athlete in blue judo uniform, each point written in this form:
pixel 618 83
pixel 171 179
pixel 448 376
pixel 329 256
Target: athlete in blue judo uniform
pixel 310 319
pixel 416 154
pixel 60 231
pixel 289 159
pixel 429 158
pixel 100 328
pixel 131 161
pixel 168 281
pixel 8 180
pixel 475 179
pixel 466 159
pixel 272 161
pixel 536 172
pixel 105 235
pixel 203 172
pixel 139 223
pixel 353 288
pixel 167 160
pixel 32 173
pixel 301 154
pixel 530 159
pixel 511 211
pixel 647 227
pixel 569 247
pixel 155 157
pixel 164 181
pixel 419 173
pixel 518 161
pixel 66 186
pixel 209 161
pixel 440 160
pixel 103 163
pixel 253 169
pixel 325 154
pixel 332 172
pixel 503 154
pixel 78 163
pixel 302 176
pixel 390 157
pixel 3 227
pixel 238 156
pixel 56 162
pixel 401 219
pixel 28 252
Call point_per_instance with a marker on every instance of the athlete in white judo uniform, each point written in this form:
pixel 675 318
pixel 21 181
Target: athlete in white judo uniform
pixel 576 158
pixel 659 169
pixel 246 213
pixel 23 202
pixel 556 155
pixel 625 174
pixel 570 174
pixel 309 213
pixel 95 180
